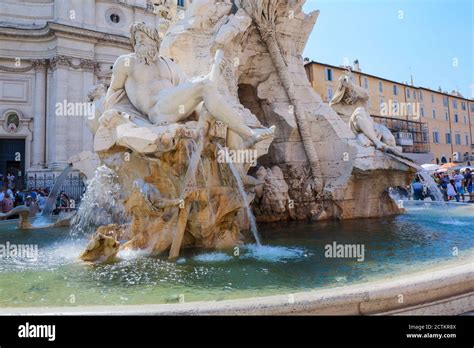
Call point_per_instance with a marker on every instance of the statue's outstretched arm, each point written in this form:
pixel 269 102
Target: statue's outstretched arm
pixel 119 76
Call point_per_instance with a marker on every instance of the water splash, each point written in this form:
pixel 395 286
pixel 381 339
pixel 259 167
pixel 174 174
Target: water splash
pixel 243 194
pixel 51 200
pixel 429 182
pixel 192 149
pixel 101 204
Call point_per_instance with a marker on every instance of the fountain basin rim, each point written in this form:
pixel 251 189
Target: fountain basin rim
pixel 448 289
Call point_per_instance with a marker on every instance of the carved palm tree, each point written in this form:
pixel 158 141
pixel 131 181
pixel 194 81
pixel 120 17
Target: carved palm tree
pixel 264 14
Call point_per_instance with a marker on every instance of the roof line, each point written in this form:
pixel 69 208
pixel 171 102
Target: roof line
pixel 392 81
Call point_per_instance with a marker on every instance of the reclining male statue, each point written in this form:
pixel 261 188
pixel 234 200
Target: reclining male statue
pixel 351 102
pixel 148 93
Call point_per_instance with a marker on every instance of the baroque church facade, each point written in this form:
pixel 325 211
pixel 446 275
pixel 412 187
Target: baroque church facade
pixel 52 53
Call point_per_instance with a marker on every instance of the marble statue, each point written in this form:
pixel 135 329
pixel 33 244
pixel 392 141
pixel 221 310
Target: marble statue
pixel 351 103
pixel 159 95
pixel 218 78
pixel 96 96
pixel 166 128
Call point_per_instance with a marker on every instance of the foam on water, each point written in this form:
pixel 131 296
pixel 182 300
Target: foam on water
pixel 454 222
pixel 273 253
pixel 130 254
pixel 212 257
pixel 41 221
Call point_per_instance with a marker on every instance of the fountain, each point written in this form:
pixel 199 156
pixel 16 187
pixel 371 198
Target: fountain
pixel 172 192
pixel 53 194
pixel 163 217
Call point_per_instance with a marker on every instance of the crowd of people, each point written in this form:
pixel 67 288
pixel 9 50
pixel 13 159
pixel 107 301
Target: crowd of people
pixel 455 185
pixel 35 199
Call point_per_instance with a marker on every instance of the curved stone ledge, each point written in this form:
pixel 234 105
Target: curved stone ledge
pixel 448 290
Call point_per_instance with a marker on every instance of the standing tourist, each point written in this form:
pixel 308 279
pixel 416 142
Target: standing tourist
pixel 30 203
pixel 468 183
pixel 451 191
pixel 7 203
pixel 459 183
pixel 41 200
pixel 444 181
pixel 417 187
pixel 11 181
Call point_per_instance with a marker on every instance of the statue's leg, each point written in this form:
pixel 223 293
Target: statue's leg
pixel 176 104
pixel 365 125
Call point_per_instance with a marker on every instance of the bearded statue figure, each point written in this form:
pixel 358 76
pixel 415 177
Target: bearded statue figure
pixel 149 93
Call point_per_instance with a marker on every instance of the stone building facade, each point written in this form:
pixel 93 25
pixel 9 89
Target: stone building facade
pixel 52 52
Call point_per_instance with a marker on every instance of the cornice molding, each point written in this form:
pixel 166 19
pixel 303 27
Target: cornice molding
pixel 54 29
pixel 66 61
pixel 54 63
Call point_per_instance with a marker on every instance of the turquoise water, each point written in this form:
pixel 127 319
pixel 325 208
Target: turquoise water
pixel 291 259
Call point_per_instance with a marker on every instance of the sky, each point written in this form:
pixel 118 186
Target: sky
pixel 433 40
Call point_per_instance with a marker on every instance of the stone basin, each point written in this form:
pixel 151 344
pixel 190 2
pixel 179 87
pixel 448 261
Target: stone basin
pixel 418 263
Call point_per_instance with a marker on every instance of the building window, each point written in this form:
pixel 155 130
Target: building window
pixel 463 106
pixel 395 90
pixel 448 138
pixel 457 138
pixel 395 107
pixel 434 114
pixel 456 118
pixel 465 119
pixel 408 93
pixel 422 111
pixel 421 95
pixel 432 98
pixel 445 101
pixel 466 139
pixel 446 116
pixel 330 93
pixel 455 103
pixel 436 137
pixel 472 107
pixel 115 18
pixel 366 83
pixel 181 3
pixel 328 74
pixel 381 87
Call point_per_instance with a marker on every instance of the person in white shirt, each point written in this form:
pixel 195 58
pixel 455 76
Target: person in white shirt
pixel 452 192
pixel 41 201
